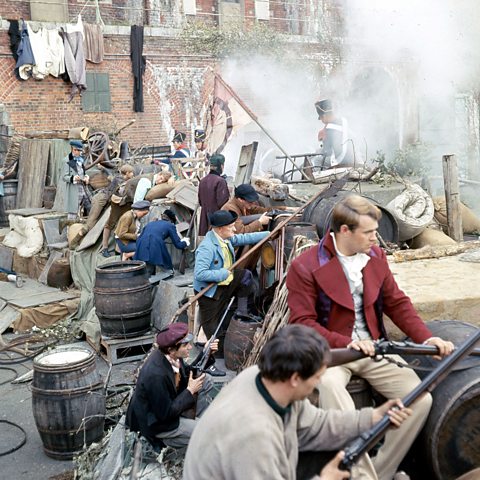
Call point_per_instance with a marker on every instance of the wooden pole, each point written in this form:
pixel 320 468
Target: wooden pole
pixel 452 197
pixel 321 193
pixel 255 119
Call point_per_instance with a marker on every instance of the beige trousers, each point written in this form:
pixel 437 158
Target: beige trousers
pixel 392 382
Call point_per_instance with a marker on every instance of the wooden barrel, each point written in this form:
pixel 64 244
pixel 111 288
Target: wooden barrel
pixel 68 401
pixel 60 275
pixel 8 201
pixel 449 443
pixel 320 213
pixel 122 298
pixel 293 229
pixel 238 342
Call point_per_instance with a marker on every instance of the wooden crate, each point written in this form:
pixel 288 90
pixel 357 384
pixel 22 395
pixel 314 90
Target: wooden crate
pixel 122 350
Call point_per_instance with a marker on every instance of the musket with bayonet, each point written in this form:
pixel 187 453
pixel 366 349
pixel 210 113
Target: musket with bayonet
pixel 341 356
pixel 362 444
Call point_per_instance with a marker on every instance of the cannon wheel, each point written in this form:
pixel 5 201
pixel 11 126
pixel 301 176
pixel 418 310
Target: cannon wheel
pixel 97 149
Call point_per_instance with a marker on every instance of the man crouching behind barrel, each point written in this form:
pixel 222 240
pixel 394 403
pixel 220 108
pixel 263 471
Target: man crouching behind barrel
pixel 260 421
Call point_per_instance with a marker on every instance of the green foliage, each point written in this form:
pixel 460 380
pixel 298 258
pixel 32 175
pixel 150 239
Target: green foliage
pixel 234 39
pixel 411 161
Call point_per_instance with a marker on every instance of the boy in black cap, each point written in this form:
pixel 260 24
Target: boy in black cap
pixel 166 390
pixel 212 192
pixel 200 144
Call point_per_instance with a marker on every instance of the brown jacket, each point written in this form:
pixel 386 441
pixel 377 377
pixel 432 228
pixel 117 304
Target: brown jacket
pixel 126 230
pixel 234 205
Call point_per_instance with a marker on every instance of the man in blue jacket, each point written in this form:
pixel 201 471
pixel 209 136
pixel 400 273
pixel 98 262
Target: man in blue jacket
pixel 213 258
pixel 151 247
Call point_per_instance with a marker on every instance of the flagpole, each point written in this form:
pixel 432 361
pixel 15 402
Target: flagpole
pixel 255 119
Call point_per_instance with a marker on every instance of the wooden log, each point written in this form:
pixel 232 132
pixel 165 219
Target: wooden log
pixel 63 134
pixel 452 196
pixel 434 252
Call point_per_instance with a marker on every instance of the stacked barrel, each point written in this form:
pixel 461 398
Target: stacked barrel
pixel 123 299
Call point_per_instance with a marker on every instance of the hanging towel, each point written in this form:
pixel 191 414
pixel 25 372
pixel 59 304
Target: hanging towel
pixel 138 65
pixel 93 43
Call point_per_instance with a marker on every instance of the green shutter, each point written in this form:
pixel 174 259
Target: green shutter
pixel 97 96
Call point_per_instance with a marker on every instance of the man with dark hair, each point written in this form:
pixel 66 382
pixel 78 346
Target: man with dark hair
pixel 151 247
pixel 212 192
pixel 341 288
pixel 259 422
pixel 166 390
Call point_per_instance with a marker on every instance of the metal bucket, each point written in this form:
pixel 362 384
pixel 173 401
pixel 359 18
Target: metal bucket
pixel 68 401
pixel 449 443
pixel 320 213
pixel 122 298
pixel 8 201
pixel 238 342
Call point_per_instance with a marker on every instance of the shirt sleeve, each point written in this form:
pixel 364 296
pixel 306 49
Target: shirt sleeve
pixel 142 188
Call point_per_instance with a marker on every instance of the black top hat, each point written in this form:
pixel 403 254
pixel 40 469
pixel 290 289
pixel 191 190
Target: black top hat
pixel 179 137
pixel 323 107
pixel 220 218
pixel 200 135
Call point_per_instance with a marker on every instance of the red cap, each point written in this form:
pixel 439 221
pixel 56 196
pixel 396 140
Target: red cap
pixel 173 334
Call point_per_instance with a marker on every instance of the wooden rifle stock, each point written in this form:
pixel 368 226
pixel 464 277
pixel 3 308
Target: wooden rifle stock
pixel 340 356
pixel 367 440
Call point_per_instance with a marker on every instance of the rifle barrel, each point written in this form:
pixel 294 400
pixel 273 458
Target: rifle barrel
pixel 367 440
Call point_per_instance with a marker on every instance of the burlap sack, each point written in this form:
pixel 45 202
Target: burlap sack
pixel 470 222
pixel 99 180
pixel 159 191
pixel 431 237
pixel 73 231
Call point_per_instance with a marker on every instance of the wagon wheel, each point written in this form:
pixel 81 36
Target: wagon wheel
pixel 97 150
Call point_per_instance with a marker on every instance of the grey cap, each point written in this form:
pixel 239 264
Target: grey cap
pixel 141 205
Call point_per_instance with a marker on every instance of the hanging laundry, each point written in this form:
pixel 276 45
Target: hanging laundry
pixel 38 42
pixel 25 60
pixel 75 62
pixel 93 43
pixel 138 65
pixel 15 37
pixel 57 52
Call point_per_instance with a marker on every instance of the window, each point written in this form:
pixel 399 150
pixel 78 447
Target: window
pixel 97 96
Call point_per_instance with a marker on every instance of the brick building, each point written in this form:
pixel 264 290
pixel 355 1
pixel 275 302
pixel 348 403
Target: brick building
pixel 177 81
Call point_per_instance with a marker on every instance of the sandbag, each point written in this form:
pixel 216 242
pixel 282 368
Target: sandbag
pixel 159 191
pixel 431 237
pixel 470 222
pixel 25 235
pixel 413 209
pixel 73 231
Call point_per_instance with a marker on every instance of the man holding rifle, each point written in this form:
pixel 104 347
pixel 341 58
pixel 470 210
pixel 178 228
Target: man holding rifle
pixel 341 288
pixel 166 390
pixel 259 422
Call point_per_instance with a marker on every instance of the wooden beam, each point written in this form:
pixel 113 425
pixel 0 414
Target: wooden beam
pixel 452 197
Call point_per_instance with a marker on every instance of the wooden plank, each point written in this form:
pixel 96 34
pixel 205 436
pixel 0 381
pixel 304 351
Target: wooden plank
pixel 452 196
pixel 30 212
pixel 32 172
pixel 93 235
pixel 58 151
pixel 34 300
pixel 6 257
pixel 245 163
pixel 185 194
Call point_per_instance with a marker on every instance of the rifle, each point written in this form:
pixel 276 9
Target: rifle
pixel 247 219
pixel 199 367
pixel 367 440
pixel 386 347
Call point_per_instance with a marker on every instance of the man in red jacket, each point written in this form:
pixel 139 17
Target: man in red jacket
pixel 342 288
